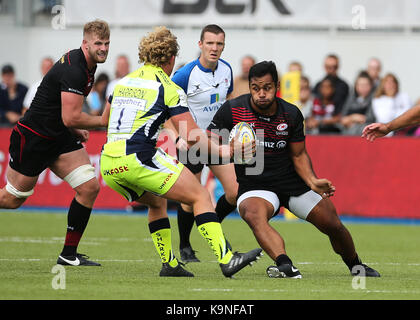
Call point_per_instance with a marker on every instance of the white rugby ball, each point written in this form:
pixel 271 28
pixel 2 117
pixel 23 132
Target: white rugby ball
pixel 245 134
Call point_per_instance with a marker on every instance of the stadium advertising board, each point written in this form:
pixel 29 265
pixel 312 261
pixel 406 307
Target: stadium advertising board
pixel 269 13
pixel 372 180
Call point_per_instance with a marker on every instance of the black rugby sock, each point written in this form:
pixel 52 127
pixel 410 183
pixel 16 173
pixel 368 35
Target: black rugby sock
pixel 185 223
pixel 77 220
pixel 351 263
pixel 283 259
pixel 223 208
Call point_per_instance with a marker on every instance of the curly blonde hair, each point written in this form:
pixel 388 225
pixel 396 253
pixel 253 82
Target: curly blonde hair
pixel 158 46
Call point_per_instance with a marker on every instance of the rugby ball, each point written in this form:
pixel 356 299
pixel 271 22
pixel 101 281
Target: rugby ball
pixel 245 134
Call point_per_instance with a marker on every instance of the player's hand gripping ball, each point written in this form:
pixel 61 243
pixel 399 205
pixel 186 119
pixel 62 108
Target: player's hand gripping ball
pixel 244 136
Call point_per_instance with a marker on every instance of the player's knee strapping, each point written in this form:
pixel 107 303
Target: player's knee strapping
pixel 160 231
pixel 18 194
pixel 209 227
pixel 80 175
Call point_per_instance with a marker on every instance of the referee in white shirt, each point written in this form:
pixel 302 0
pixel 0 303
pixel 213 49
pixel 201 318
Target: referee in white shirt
pixel 207 81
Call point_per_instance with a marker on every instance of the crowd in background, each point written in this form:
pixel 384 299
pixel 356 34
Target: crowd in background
pixel 329 106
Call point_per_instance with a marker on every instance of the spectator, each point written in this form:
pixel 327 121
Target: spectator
pixel 11 96
pixel 295 66
pixel 95 101
pixel 357 112
pixel 241 83
pixel 122 68
pixel 374 68
pixel 306 99
pixel 331 66
pixel 389 102
pixel 46 65
pixel 325 114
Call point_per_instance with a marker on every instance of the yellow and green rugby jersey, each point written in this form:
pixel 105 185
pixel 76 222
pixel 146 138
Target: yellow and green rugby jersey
pixel 140 104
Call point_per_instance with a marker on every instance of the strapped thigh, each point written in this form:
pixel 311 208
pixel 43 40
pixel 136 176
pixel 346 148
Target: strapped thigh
pixel 80 175
pixel 303 204
pixel 18 194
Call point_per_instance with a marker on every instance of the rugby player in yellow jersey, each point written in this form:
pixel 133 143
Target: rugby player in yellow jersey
pixel 133 166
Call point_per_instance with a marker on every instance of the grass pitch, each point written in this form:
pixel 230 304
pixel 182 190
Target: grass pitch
pixel 30 244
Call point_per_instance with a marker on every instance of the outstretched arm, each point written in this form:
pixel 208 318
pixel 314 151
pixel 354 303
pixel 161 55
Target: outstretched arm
pixel 303 167
pixel 378 130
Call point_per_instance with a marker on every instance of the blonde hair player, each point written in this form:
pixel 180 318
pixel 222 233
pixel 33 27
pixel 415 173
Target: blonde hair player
pixel 50 136
pixel 133 166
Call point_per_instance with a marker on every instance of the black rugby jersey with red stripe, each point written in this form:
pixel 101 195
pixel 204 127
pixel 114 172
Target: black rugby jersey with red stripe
pixel 280 130
pixel 69 74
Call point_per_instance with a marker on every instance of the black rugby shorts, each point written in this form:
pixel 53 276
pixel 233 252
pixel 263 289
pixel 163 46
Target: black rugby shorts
pixel 31 152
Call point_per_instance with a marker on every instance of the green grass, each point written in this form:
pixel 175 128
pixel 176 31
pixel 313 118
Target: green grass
pixel 31 242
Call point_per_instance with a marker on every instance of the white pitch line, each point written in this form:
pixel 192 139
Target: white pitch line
pixel 42 241
pixel 313 291
pixel 101 260
pixel 368 263
pixel 214 261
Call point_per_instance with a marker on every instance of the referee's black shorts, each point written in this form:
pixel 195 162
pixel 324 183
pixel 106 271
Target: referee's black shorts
pixel 31 152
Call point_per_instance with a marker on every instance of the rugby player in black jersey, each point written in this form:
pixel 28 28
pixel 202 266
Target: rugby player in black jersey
pixel 287 179
pixel 50 136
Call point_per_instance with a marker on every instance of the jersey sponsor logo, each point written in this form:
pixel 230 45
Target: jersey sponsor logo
pixel 281 129
pixel 75 91
pixel 272 145
pixel 129 92
pixel 266 144
pixel 196 87
pixel 214 98
pixel 111 172
pixel 139 104
pixel 282 126
pixel 264 118
pixel 281 144
pixel 212 108
pixel 166 181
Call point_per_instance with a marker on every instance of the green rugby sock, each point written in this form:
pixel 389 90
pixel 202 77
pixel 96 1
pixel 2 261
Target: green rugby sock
pixel 161 235
pixel 209 227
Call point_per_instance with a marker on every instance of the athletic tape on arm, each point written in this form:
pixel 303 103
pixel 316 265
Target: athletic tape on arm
pixel 80 175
